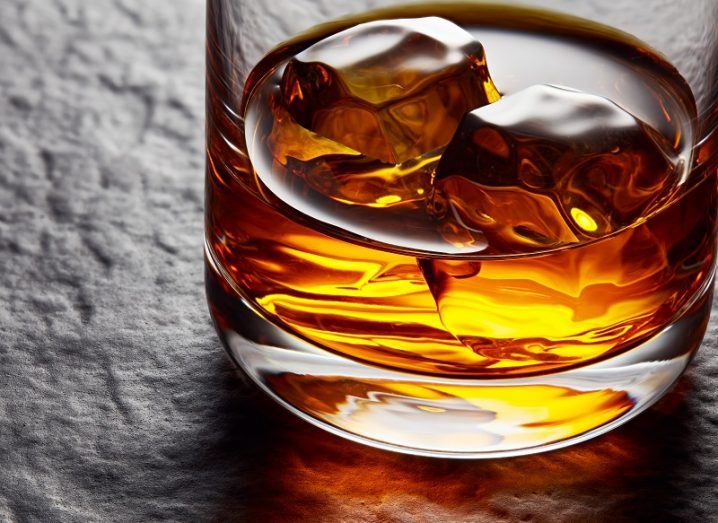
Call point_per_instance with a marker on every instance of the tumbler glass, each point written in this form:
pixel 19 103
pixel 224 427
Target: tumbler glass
pixel 351 277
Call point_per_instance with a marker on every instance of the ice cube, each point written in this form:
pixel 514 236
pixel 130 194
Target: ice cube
pixel 389 89
pixel 549 166
pixel 343 174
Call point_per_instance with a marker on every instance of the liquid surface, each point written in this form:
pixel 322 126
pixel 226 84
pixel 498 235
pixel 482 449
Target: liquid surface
pixel 360 267
pixel 362 198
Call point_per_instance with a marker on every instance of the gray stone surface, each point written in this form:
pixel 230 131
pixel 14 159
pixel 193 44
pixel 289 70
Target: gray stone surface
pixel 116 400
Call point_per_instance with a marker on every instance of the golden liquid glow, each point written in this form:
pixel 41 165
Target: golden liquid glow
pixel 583 220
pixel 488 317
pixel 472 317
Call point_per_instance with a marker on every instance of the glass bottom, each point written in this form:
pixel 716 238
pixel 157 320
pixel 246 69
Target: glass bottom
pixel 436 416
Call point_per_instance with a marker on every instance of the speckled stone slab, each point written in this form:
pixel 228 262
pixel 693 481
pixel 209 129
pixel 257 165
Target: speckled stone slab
pixel 117 402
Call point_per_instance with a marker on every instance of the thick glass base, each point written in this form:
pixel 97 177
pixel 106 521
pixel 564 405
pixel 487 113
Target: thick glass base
pixel 452 417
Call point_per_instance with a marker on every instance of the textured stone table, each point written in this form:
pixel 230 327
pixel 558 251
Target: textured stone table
pixel 117 402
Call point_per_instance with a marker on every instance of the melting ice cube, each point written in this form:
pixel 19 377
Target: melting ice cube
pixel 549 166
pixel 349 132
pixel 390 89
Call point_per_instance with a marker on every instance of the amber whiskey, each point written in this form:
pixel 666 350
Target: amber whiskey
pixel 483 195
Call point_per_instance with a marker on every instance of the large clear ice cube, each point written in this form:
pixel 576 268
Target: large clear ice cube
pixel 390 89
pixel 549 166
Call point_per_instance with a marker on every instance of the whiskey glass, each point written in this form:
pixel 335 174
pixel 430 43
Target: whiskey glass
pixel 375 333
